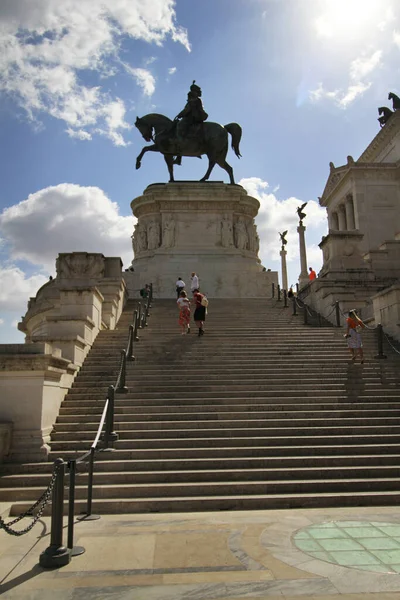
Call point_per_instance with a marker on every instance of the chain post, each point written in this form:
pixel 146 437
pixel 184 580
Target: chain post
pixel 122 389
pixel 380 342
pixel 294 306
pixel 337 313
pixel 130 355
pixel 150 294
pixel 56 555
pixel 285 298
pixel 273 290
pixel 279 293
pixel 74 550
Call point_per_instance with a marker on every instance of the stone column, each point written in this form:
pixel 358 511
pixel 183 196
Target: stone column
pixel 342 218
pixel 334 221
pixel 349 207
pixel 303 277
pixel 284 269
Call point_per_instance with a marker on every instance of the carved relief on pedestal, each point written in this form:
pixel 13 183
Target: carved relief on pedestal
pixel 79 265
pixel 168 234
pixel 153 234
pixel 254 240
pixel 226 232
pixel 241 237
pixel 139 239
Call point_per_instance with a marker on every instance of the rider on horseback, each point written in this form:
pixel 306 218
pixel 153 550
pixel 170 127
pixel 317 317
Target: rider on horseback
pixel 193 114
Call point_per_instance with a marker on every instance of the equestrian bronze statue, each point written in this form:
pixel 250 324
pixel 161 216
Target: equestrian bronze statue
pixel 189 134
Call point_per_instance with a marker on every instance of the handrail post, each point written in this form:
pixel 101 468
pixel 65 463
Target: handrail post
pixel 337 312
pixel 87 515
pixel 130 355
pixel 279 293
pixel 294 306
pixel 297 288
pixel 110 434
pixel 75 550
pixel 135 325
pixel 380 342
pixel 150 294
pixel 305 314
pixel 285 298
pixel 140 314
pixel 122 389
pixel 148 308
pixel 56 555
pixel 273 290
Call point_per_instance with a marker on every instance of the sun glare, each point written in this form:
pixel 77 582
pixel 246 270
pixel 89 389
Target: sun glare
pixel 349 17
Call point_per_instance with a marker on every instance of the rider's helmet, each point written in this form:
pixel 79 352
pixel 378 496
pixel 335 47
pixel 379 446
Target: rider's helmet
pixel 195 88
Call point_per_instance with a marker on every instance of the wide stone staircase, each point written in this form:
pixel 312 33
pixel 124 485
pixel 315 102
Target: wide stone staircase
pixel 260 412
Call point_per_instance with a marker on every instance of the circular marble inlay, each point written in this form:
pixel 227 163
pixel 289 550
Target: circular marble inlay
pixel 366 545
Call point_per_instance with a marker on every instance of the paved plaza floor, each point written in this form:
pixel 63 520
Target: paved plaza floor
pixel 318 554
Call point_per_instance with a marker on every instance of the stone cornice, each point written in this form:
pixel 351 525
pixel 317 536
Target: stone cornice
pixel 382 138
pixel 45 363
pixel 341 175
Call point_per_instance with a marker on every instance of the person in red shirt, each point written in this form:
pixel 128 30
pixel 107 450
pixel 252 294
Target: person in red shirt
pixel 354 340
pixel 312 274
pixel 200 311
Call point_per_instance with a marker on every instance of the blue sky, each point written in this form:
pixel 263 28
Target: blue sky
pixel 303 78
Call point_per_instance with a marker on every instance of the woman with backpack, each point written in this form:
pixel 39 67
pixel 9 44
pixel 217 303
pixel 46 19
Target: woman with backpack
pixel 200 310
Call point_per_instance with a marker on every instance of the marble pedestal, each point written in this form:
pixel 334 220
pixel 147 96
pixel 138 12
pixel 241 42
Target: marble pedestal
pixel 203 227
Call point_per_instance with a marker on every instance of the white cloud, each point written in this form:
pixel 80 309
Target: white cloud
pixel 45 45
pixel 1 322
pixel 277 216
pixel 396 38
pixel 16 288
pixel 359 69
pixel 364 65
pixel 172 70
pixel 143 78
pixel 80 134
pixel 65 218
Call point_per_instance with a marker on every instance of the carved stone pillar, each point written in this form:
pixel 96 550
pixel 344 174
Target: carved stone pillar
pixel 303 277
pixel 349 206
pixel 284 269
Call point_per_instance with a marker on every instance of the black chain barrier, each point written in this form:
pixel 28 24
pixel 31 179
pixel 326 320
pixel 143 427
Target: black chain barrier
pixel 43 501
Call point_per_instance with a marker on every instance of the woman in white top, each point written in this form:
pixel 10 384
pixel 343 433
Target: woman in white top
pixel 184 312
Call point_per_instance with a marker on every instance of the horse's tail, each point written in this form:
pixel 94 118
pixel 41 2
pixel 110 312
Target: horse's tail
pixel 236 132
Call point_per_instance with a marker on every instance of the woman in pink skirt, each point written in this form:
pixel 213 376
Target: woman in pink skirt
pixel 184 312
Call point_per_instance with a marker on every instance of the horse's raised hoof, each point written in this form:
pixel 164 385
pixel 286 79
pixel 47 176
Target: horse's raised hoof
pixel 138 164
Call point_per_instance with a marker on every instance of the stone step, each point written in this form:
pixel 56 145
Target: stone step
pixel 275 421
pixel 207 489
pixel 181 449
pixel 15 472
pixel 91 418
pixel 254 437
pixel 240 502
pixel 182 475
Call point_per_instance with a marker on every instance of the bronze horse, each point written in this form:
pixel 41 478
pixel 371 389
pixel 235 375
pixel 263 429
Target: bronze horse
pixel 395 99
pixel 386 114
pixel 211 140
